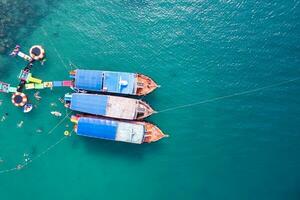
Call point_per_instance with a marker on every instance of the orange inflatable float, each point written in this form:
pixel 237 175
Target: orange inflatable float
pixel 37 52
pixel 19 99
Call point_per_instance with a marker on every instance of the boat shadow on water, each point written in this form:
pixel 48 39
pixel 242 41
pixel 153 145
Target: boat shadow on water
pixel 120 149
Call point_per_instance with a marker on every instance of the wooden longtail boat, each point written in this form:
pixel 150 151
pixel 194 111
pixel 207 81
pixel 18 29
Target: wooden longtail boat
pixel 112 82
pixel 110 129
pixel 108 106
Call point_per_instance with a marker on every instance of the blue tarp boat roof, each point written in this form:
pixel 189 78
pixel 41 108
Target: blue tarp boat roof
pixel 89 103
pixel 97 128
pixel 112 82
pixel 88 79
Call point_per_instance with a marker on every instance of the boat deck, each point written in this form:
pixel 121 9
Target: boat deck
pixel 124 108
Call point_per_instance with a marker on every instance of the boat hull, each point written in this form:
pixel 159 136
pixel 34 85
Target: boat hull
pixel 116 130
pixel 108 106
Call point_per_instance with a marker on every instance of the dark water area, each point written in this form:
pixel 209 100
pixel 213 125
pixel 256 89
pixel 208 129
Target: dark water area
pixel 18 19
pixel 15 15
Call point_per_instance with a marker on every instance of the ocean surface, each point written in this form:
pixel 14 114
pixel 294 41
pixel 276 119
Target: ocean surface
pixel 229 99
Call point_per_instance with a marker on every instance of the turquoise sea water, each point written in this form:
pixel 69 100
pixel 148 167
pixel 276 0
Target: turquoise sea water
pixel 237 147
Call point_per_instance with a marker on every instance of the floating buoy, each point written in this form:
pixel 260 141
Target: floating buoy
pixel 67 133
pixel 19 99
pixel 37 52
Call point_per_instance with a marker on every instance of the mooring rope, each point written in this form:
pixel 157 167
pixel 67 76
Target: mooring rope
pixel 55 49
pixel 59 123
pixel 25 163
pixel 43 152
pixel 228 96
pixel 75 66
pixel 20 166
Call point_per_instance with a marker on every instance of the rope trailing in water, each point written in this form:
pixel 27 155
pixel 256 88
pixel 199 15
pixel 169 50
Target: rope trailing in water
pixel 55 49
pixel 26 163
pixel 229 96
pixel 75 66
pixel 45 151
pixel 20 166
pixel 61 121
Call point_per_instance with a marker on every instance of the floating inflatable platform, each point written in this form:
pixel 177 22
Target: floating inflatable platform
pixel 26 76
pixel 112 82
pixel 108 106
pixel 4 87
pixel 123 131
pixel 36 52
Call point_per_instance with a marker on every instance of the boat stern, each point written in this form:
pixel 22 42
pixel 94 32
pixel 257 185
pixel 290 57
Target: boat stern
pixel 74 119
pixel 67 100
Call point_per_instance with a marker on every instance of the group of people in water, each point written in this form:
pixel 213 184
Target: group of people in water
pixel 20 125
pixel 38 98
pixel 31 59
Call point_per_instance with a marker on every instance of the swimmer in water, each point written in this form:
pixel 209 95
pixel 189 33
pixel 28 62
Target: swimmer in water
pixel 43 61
pixel 26 157
pixel 3 118
pixel 19 166
pixel 61 100
pixel 19 125
pixel 36 96
pixel 39 130
pixel 53 104
pixel 56 113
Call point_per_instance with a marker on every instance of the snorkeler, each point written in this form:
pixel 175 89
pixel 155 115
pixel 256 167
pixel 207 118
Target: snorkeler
pixel 19 166
pixel 61 100
pixel 3 118
pixel 43 61
pixel 56 113
pixel 26 157
pixel 39 130
pixel 36 96
pixel 20 124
